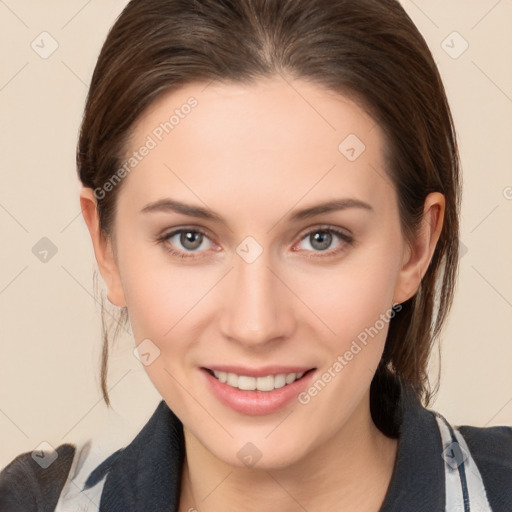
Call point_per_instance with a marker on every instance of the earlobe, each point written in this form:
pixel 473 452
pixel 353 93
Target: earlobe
pixel 419 255
pixel 103 249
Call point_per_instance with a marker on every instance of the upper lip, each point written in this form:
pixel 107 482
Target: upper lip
pixel 259 372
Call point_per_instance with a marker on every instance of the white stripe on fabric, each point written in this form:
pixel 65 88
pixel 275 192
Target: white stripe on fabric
pixel 476 488
pixel 453 487
pixel 453 456
pixel 72 498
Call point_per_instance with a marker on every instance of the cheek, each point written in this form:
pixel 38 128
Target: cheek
pixel 351 298
pixel 159 299
pixel 157 293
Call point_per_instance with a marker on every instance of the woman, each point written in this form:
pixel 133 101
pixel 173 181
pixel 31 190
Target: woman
pixel 272 191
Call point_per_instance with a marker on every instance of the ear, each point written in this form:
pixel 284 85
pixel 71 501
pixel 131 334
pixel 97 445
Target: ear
pixel 418 256
pixel 103 249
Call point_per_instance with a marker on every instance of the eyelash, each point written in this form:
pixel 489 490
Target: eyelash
pixel 347 239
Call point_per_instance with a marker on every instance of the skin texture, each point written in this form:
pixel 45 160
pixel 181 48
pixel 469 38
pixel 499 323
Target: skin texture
pixel 254 154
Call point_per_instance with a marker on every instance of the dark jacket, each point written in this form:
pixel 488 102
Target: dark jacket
pixel 439 468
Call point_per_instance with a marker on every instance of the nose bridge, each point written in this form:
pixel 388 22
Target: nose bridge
pixel 256 309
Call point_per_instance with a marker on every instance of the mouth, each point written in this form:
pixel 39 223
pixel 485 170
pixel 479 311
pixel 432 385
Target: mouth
pixel 264 383
pixel 257 392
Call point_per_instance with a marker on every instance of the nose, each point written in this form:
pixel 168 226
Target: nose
pixel 257 307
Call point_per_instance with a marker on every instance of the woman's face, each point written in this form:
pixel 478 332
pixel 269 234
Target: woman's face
pixel 262 280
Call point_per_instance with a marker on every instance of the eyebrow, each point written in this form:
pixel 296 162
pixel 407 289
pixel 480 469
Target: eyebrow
pixel 171 205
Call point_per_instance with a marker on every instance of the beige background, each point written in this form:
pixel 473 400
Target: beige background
pixel 50 327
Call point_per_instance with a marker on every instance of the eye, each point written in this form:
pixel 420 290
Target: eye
pixel 190 240
pixel 322 239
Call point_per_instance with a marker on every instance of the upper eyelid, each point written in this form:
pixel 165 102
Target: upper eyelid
pixel 344 237
pixel 325 227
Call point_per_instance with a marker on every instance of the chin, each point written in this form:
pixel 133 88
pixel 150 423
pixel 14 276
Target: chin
pixel 261 452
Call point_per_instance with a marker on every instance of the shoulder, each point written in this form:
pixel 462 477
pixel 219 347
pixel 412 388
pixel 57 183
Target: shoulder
pixel 491 445
pixel 34 480
pixel 481 458
pixel 491 448
pixel 54 479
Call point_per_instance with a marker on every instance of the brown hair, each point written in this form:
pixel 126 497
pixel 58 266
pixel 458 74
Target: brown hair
pixel 369 50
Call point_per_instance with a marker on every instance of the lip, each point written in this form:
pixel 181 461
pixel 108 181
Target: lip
pixel 257 403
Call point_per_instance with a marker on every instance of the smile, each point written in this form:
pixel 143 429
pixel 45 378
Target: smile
pixel 257 391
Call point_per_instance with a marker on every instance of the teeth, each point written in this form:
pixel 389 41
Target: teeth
pixel 267 383
pixel 246 383
pixel 290 378
pixel 232 380
pixel 280 381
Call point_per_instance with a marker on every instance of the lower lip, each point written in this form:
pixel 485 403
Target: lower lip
pixel 257 403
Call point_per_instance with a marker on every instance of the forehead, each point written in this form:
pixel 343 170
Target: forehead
pixel 286 109
pixel 256 138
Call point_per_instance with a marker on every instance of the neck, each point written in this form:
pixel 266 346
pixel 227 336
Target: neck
pixel 351 471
